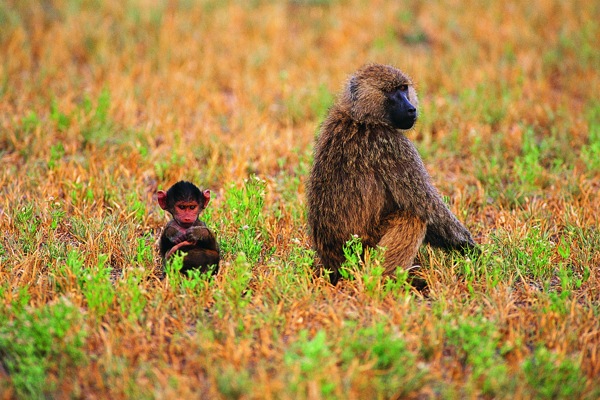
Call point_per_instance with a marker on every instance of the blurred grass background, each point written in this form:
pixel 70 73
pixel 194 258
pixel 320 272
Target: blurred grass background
pixel 104 102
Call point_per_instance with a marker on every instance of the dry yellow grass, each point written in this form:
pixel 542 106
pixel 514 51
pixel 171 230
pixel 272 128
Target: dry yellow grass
pixel 103 102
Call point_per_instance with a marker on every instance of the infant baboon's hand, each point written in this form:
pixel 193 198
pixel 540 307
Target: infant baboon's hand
pixel 178 239
pixel 196 233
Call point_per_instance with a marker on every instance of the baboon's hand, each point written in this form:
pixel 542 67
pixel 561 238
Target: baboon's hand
pixel 449 234
pixel 196 233
pixel 178 239
pixel 463 237
pixel 174 235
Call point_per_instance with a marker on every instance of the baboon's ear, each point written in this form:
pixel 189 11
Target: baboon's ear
pixel 205 198
pixel 353 88
pixel 161 196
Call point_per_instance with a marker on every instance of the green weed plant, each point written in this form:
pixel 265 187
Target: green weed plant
pixel 102 103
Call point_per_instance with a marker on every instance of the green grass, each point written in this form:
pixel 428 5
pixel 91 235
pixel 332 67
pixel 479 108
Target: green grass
pixel 103 103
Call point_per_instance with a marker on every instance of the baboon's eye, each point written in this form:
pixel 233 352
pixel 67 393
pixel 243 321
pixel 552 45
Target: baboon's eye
pixel 403 88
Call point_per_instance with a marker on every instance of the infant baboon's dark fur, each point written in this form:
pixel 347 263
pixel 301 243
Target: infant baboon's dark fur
pixel 369 180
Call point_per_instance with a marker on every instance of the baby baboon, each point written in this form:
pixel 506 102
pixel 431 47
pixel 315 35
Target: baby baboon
pixel 369 180
pixel 185 232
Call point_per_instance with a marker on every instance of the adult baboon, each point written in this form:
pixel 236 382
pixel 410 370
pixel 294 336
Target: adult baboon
pixel 369 180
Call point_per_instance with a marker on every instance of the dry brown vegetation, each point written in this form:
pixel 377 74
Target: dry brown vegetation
pixel 104 101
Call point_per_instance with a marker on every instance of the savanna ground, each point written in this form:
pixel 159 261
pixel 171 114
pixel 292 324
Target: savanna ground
pixel 104 102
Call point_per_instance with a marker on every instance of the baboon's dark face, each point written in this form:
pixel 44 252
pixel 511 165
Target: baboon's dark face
pixel 382 94
pixel 402 113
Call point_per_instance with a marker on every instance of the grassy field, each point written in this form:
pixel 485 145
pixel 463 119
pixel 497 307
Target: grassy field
pixel 103 102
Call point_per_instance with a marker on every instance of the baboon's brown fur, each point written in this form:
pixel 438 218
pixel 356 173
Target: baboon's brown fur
pixel 369 180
